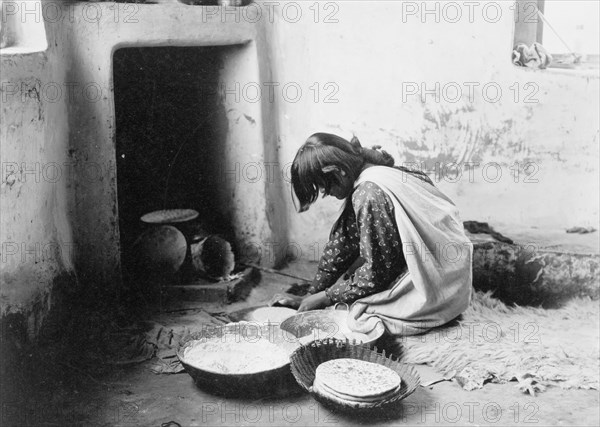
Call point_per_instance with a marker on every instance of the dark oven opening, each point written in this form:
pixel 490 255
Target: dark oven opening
pixel 170 134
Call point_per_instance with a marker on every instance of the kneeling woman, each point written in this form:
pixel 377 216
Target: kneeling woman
pixel 398 252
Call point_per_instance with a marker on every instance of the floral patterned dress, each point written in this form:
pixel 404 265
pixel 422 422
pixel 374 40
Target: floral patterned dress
pixel 365 231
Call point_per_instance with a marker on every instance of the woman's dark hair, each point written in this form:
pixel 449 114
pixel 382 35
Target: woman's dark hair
pixel 324 149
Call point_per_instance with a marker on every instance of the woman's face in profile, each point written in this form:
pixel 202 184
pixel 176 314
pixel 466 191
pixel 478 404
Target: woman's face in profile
pixel 339 191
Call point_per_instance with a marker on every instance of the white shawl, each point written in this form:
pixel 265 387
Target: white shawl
pixel 437 287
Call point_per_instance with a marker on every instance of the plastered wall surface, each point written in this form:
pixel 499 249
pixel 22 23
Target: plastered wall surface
pixel 542 123
pixel 36 199
pixel 345 60
pixel 73 131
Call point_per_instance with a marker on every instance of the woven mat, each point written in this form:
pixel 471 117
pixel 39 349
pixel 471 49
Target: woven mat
pixel 537 347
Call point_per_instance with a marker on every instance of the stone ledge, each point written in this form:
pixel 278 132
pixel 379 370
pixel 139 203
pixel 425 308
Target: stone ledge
pixel 205 291
pixel 526 275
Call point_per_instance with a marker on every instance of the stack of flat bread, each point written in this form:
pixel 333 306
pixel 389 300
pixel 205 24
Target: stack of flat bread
pixel 355 382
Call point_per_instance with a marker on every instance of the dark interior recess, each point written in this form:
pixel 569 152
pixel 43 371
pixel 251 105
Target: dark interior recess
pixel 170 135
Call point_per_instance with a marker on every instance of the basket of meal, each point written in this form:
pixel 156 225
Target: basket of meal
pixel 353 377
pixel 243 358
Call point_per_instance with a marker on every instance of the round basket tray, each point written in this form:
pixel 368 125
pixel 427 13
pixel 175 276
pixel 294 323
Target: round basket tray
pixel 306 359
pixel 323 324
pixel 276 381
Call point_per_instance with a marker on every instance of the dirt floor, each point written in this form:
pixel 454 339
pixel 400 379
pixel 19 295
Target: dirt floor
pixel 137 397
pixel 134 396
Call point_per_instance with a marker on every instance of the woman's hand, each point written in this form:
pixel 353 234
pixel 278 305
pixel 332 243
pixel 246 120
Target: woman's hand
pixel 286 300
pixel 314 302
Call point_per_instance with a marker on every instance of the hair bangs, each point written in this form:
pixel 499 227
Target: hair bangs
pixel 307 176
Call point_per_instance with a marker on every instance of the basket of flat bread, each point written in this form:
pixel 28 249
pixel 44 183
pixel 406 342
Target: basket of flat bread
pixel 351 377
